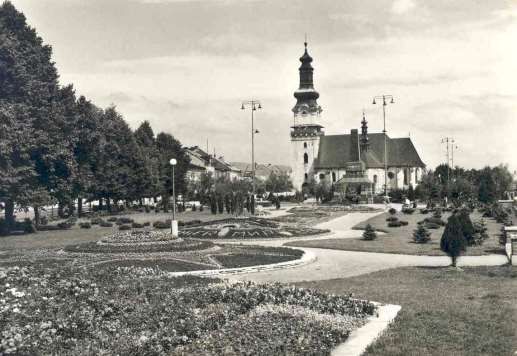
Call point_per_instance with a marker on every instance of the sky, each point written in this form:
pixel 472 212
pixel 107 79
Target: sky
pixel 186 66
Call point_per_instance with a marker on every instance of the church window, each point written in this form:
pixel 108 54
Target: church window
pixel 375 179
pixel 322 176
pixel 333 176
pixel 406 180
pixel 305 158
pixel 305 145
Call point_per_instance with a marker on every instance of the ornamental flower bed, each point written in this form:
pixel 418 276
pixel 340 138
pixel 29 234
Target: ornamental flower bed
pixel 247 228
pixel 159 246
pixel 146 236
pixel 143 312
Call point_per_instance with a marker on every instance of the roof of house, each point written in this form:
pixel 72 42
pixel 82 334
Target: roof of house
pixel 262 169
pixel 201 159
pixel 336 150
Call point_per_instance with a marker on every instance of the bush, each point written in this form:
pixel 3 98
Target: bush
pixel 112 219
pixel 96 221
pixel 392 218
pixel 194 208
pixel 466 226
pixel 124 227
pixel 147 223
pixel 453 242
pixel 394 224
pixel 124 220
pixel 404 223
pixel 369 233
pixel 64 225
pixel 480 232
pixel 408 211
pixel 28 226
pixel 85 225
pixel 421 235
pixel 136 225
pixel 424 211
pixel 437 214
pixel 161 225
pixel 201 208
pixel 392 211
pixel 106 224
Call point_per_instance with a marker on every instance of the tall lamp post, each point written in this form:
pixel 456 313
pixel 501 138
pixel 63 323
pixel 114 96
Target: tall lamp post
pixel 174 223
pixel 253 105
pixel 384 104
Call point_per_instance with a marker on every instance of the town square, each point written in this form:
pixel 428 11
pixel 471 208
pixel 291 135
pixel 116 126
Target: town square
pixel 226 177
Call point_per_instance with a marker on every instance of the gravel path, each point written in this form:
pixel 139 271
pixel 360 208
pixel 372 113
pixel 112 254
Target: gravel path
pixel 331 264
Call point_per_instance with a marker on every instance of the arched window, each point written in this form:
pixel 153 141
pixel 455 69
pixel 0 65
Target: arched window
pixel 375 179
pixel 305 158
pixel 333 176
pixel 406 180
pixel 322 176
pixel 305 145
pixel 306 176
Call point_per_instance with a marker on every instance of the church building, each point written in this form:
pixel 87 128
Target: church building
pixel 349 161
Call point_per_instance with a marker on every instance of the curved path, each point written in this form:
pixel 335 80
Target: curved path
pixel 331 264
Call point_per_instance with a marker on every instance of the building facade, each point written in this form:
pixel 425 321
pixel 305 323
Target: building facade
pixel 351 161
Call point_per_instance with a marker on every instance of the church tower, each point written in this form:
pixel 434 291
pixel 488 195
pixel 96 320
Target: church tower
pixel 305 132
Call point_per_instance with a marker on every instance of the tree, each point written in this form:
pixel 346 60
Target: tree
pixel 466 226
pixel 486 186
pixel 369 233
pixel 453 242
pixel 146 142
pixel 421 234
pixel 277 183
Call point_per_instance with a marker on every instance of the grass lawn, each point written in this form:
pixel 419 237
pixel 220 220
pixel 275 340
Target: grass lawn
pixel 444 311
pixel 399 239
pixel 61 238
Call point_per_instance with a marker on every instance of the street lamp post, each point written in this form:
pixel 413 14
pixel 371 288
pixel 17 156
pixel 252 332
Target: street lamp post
pixel 254 105
pixel 174 223
pixel 384 104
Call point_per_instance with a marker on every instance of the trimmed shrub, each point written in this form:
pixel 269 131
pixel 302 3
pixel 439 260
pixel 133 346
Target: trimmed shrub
pixel 85 225
pixel 147 223
pixel 369 233
pixel 112 218
pixel 96 221
pixel 124 220
pixel 466 226
pixel 136 225
pixel 124 227
pixel 392 219
pixel 106 224
pixel 161 225
pixel 437 214
pixel 453 242
pixel 392 211
pixel 394 224
pixel 408 211
pixel 436 221
pixel 421 235
pixel 404 223
pixel 424 211
pixel 64 225
pixel 480 232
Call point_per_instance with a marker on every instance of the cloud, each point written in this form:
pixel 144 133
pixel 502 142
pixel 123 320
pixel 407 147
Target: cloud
pixel 402 6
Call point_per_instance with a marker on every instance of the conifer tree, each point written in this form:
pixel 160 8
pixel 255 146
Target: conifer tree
pixel 369 233
pixel 421 234
pixel 453 242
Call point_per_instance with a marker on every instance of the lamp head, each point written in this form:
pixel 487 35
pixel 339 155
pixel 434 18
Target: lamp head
pixel 173 161
pixel 260 106
pixel 242 107
pixel 373 102
pixel 392 101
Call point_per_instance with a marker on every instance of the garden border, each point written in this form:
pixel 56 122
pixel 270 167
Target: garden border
pixel 361 338
pixel 307 257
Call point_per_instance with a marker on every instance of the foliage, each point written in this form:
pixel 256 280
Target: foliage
pixel 421 235
pixel 392 211
pixel 277 183
pixel 369 233
pixel 480 232
pixel 394 224
pixel 453 241
pixel 408 211
pixel 466 226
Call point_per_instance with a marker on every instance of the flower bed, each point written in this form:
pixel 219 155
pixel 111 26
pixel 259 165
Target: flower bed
pixel 250 228
pixel 161 246
pixel 253 256
pixel 137 237
pixel 142 312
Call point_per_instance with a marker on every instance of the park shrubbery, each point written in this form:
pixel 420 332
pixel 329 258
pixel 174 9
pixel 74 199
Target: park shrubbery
pixel 369 233
pixel 421 235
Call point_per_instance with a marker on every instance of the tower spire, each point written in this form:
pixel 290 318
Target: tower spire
pixel 365 141
pixel 306 96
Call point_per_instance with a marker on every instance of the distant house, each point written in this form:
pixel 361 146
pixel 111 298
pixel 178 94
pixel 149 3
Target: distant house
pixel 202 162
pixel 262 171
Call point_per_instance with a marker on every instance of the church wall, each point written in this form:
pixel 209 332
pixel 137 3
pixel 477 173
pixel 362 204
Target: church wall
pixel 297 158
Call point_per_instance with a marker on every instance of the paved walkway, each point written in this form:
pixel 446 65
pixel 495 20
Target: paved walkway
pixel 331 264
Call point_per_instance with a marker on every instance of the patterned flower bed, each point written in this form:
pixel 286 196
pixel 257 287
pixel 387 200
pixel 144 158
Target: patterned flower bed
pixel 246 228
pixel 176 245
pixel 132 237
pixel 130 311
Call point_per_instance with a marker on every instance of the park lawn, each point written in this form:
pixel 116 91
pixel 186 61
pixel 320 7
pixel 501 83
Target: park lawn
pixel 399 239
pixel 444 311
pixel 61 238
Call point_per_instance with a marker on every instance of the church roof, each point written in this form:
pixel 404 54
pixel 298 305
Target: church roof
pixel 336 150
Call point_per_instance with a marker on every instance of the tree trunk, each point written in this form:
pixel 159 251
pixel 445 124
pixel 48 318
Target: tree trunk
pixel 108 204
pixel 101 204
pixel 453 261
pixel 36 215
pixel 9 214
pixel 141 202
pixel 79 206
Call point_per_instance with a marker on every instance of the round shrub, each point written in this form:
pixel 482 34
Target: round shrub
pixel 404 223
pixel 394 224
pixel 147 223
pixel 433 226
pixel 392 219
pixel 136 225
pixel 96 221
pixel 161 225
pixel 112 218
pixel 124 221
pixel 85 225
pixel 106 224
pixel 421 235
pixel 124 227
pixel 435 220
pixel 408 211
pixel 392 211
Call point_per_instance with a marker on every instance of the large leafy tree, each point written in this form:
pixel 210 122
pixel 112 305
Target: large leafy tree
pixel 30 97
pixel 146 142
pixel 278 183
pixel 168 147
